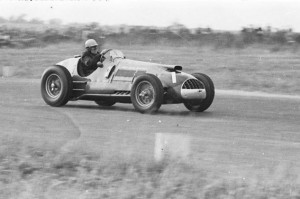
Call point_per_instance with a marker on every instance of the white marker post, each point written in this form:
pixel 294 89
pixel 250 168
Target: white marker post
pixel 8 71
pixel 171 146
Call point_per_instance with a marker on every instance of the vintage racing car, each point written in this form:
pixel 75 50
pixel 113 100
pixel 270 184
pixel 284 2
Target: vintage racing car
pixel 144 84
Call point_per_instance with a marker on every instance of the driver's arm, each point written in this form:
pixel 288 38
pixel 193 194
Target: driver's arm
pixel 90 62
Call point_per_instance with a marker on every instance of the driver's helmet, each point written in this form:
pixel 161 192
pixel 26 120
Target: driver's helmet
pixel 90 43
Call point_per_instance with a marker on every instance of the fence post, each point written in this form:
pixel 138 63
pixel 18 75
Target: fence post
pixel 8 71
pixel 171 145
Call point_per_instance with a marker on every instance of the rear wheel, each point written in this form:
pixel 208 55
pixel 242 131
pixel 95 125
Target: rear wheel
pixel 202 105
pixel 147 93
pixel 56 86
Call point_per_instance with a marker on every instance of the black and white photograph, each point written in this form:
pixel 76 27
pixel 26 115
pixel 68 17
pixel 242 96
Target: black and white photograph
pixel 150 99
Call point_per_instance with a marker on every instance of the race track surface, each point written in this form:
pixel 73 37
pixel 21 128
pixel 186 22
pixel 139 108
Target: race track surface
pixel 237 130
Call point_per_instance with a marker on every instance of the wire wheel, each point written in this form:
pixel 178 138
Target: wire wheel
pixel 53 86
pixel 145 94
pixel 56 86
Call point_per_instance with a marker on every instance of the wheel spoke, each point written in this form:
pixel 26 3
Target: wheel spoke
pixel 145 94
pixel 53 86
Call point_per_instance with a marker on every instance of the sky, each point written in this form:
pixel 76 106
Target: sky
pixel 216 14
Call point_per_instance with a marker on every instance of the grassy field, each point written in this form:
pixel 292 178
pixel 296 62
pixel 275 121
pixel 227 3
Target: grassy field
pixel 31 171
pixel 251 69
pixel 45 171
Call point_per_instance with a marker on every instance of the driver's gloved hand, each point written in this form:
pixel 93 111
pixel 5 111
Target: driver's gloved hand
pixel 99 64
pixel 102 58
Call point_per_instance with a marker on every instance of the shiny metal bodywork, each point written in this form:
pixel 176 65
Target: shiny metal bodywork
pixel 116 78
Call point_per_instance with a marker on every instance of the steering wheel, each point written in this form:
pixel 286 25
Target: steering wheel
pixel 104 51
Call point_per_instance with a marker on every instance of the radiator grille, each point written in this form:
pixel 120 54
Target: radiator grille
pixel 192 84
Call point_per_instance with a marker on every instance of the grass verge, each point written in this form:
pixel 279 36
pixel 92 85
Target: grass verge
pixel 28 171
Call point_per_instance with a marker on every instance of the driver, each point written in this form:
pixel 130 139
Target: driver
pixel 91 58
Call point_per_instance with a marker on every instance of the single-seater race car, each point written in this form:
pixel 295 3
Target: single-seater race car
pixel 146 85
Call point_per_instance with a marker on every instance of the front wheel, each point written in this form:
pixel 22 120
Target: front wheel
pixel 147 93
pixel 202 105
pixel 56 86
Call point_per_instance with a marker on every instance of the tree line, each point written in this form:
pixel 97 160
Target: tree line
pixel 19 32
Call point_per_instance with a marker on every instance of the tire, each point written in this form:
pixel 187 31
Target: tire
pixel 56 86
pixel 105 102
pixel 202 105
pixel 147 93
